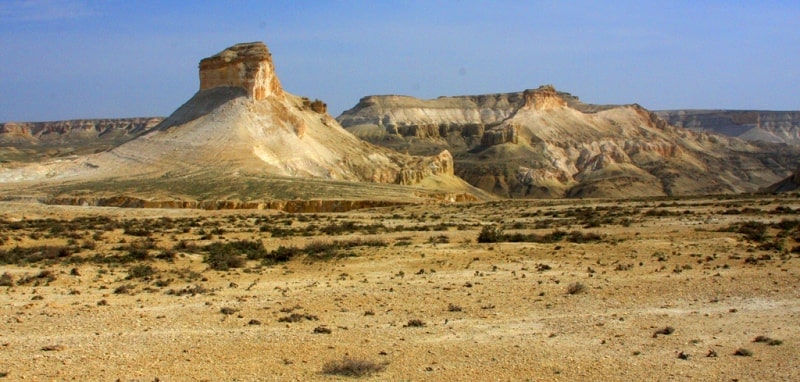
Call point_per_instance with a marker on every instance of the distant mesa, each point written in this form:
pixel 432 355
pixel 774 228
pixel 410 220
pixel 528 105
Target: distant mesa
pixel 751 125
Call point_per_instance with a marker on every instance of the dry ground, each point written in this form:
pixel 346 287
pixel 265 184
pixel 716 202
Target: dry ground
pixel 409 293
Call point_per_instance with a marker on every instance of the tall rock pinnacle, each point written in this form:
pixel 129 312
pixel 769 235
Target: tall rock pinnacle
pixel 247 65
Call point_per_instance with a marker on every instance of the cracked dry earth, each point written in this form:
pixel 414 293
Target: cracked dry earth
pixel 667 290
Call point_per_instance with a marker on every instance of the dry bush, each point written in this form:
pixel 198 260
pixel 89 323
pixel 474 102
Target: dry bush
pixel 667 330
pixel 6 280
pixel 352 367
pixel 576 288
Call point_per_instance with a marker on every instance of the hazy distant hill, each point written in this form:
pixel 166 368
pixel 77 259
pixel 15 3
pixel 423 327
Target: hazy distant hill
pixel 751 125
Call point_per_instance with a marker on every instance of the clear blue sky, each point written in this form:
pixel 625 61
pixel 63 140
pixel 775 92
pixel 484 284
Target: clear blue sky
pixel 66 59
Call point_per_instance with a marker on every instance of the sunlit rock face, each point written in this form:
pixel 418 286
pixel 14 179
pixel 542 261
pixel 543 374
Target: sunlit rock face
pixel 248 66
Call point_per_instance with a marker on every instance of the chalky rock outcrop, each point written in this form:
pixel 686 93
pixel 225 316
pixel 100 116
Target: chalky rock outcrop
pixel 546 143
pixel 242 137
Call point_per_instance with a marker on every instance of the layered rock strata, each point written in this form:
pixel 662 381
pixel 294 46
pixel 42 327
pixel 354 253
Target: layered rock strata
pixel 546 143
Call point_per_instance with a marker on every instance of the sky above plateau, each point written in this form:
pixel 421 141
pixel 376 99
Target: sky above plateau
pixel 70 59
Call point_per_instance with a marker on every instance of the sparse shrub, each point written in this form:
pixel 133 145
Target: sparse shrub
pixel 195 290
pixel 138 231
pixel 141 271
pixel 139 250
pixel 124 289
pixel 297 317
pixel 184 246
pixel 454 308
pixel 222 257
pixel 6 280
pixel 352 367
pixel 541 267
pixel 322 330
pixel 166 254
pixel 753 230
pixel 228 310
pixel 44 276
pixel 490 234
pixel 580 237
pixel 768 341
pixel 623 267
pixel 281 255
pixel 576 288
pixel 252 249
pixel 439 239
pixel 742 352
pixel 415 323
pixel 667 330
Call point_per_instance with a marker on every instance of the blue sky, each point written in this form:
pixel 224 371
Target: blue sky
pixel 66 59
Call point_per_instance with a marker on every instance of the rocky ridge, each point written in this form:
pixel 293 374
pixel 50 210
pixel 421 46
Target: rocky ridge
pixel 546 143
pixel 241 137
pixel 751 125
pixel 33 141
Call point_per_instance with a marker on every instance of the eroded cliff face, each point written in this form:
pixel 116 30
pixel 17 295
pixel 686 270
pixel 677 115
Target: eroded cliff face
pixel 248 66
pixel 466 116
pixel 751 125
pixel 545 143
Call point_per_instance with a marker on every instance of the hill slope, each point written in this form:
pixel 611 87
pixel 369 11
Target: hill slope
pixel 544 143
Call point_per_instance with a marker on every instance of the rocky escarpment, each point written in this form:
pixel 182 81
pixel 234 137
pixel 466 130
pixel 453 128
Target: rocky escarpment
pixel 545 143
pixel 751 125
pixel 242 137
pixel 468 117
pixel 82 136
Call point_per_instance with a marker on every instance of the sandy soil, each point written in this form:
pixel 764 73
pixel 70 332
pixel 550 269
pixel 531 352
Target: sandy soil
pixel 430 303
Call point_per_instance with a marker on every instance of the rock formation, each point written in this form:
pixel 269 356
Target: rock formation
pixel 39 140
pixel 545 143
pixel 751 125
pixel 248 66
pixel 242 138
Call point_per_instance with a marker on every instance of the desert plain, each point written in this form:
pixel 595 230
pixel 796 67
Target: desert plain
pixel 700 288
